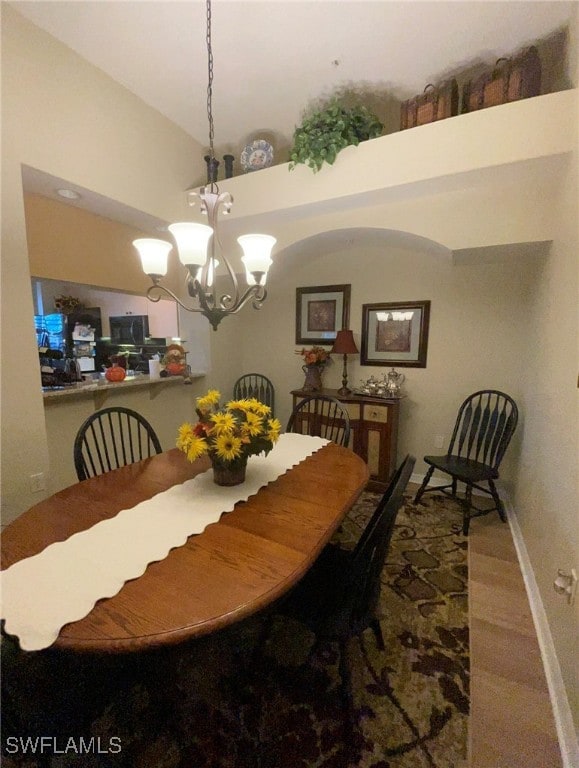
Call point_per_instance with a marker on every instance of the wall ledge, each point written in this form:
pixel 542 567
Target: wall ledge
pixel 519 133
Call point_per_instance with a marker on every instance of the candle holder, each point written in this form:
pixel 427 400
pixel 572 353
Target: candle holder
pixel 228 160
pixel 212 168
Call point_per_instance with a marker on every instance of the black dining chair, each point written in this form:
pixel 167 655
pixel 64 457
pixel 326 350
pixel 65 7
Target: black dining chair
pixel 321 416
pixel 111 438
pixel 338 598
pixel 484 427
pixel 255 385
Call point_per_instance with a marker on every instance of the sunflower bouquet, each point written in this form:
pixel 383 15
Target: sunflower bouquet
pixel 231 434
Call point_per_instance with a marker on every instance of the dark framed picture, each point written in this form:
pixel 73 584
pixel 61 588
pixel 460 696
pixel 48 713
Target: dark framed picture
pixel 395 333
pixel 321 311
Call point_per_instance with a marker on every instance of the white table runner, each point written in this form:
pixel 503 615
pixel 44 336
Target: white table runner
pixel 42 593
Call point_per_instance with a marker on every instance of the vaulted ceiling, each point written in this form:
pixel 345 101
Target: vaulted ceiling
pixel 274 58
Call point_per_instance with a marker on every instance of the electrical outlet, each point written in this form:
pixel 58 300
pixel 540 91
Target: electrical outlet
pixel 439 441
pixel 37 482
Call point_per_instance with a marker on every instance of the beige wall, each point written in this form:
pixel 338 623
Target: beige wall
pixel 68 243
pixel 478 325
pixel 547 494
pixel 110 143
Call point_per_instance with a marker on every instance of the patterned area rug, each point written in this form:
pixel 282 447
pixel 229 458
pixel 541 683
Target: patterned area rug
pixel 218 703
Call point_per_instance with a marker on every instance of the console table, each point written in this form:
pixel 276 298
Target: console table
pixel 374 431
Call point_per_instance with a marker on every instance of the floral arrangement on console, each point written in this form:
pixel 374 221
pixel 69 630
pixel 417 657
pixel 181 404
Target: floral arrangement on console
pixel 229 435
pixel 315 360
pixel 314 356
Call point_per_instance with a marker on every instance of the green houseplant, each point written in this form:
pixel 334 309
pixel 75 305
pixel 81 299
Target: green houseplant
pixel 327 130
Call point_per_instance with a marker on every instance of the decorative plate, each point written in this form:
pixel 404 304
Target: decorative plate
pixel 257 155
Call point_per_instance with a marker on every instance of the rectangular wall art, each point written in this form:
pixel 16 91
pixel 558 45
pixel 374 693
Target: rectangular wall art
pixel 321 311
pixel 395 333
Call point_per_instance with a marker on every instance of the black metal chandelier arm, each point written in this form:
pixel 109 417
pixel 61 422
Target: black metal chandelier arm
pixel 155 293
pixel 206 307
pixel 226 300
pixel 232 278
pixel 257 294
pixel 162 290
pixel 257 302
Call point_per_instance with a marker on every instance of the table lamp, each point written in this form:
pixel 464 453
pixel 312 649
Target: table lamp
pixel 344 345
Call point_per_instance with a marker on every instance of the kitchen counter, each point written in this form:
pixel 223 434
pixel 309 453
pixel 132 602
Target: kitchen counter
pixel 103 388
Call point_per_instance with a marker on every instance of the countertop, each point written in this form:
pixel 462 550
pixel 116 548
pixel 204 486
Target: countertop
pixel 102 385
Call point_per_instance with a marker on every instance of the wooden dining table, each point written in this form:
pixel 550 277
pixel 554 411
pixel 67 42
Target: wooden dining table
pixel 236 567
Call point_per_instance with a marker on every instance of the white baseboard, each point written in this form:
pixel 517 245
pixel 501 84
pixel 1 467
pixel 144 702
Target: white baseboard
pixel 559 701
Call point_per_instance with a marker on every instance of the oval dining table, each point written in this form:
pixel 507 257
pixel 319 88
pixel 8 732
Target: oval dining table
pixel 236 567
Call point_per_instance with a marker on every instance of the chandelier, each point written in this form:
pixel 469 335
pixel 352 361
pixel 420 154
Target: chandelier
pixel 198 245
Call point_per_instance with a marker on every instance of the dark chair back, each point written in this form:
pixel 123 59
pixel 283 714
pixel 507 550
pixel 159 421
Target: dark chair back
pixel 321 416
pixel 370 552
pixel 484 427
pixel 255 385
pixel 112 438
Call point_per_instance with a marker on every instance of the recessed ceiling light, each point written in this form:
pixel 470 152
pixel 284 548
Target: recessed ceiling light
pixel 70 194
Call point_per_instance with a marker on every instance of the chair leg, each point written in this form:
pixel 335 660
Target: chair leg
pixel 454 484
pixel 346 688
pixel 377 629
pixel 466 507
pixel 424 484
pixel 499 504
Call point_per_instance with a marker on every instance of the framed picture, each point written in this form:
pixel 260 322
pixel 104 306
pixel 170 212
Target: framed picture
pixel 395 333
pixel 321 311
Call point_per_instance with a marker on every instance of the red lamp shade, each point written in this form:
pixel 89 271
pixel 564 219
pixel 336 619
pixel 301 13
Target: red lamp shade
pixel 344 344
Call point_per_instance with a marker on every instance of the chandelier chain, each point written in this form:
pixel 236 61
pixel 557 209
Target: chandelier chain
pixel 210 82
pixel 200 257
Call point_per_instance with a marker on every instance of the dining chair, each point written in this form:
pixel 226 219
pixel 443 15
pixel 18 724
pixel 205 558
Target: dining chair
pixel 111 438
pixel 338 598
pixel 484 427
pixel 321 416
pixel 255 385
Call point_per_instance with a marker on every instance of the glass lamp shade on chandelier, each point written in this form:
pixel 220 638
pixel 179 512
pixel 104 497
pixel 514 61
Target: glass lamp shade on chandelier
pixel 198 246
pixel 201 262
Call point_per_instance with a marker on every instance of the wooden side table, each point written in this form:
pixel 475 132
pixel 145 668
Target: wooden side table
pixel 374 431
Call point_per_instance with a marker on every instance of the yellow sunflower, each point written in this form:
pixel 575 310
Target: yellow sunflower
pixel 257 407
pixel 184 436
pixel 274 430
pixel 228 447
pixel 253 424
pixel 206 402
pixel 238 405
pixel 224 423
pixel 197 447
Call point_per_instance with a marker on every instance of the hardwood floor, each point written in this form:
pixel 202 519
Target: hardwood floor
pixel 511 720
